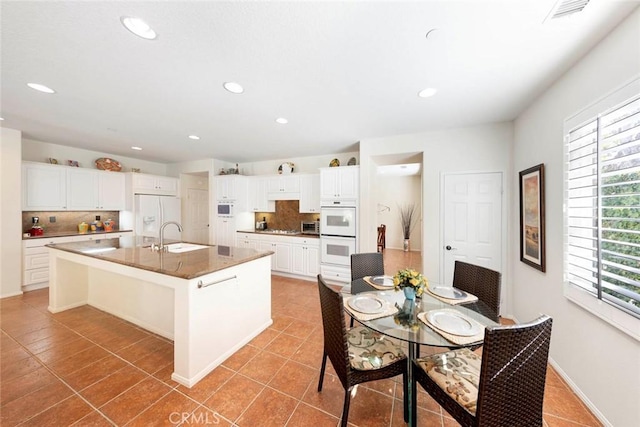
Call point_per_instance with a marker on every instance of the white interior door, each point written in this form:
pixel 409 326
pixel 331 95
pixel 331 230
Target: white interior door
pixel 471 221
pixel 197 223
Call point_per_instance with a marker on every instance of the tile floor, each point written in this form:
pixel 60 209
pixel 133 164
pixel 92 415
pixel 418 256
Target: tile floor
pixel 84 367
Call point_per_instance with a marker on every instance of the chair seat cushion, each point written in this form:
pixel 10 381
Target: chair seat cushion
pixel 457 373
pixel 370 350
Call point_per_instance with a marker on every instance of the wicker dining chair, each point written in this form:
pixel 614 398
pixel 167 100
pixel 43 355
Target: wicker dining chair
pixel 481 282
pixel 503 388
pixel 366 264
pixel 357 354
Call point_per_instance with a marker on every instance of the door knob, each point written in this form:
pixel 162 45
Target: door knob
pixel 449 248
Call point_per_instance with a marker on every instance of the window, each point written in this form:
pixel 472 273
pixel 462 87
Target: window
pixel 603 205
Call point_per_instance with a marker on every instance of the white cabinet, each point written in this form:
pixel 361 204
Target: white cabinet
pixel 35 256
pixel 339 183
pixel 257 195
pixel 95 190
pixel 154 184
pixel 306 258
pixel 310 193
pixel 226 232
pixel 232 188
pixel 44 187
pixel 283 187
pixel 246 240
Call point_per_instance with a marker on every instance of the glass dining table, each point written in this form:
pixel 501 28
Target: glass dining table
pixel 405 325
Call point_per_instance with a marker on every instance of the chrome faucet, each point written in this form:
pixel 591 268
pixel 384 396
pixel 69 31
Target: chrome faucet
pixel 161 246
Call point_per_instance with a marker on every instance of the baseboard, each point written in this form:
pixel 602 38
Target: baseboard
pixel 35 286
pixel 583 397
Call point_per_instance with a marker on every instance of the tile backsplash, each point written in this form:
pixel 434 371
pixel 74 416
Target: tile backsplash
pixel 286 216
pixel 66 221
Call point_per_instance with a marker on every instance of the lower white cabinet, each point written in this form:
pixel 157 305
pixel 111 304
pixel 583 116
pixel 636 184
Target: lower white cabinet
pixel 333 273
pixel 306 259
pixel 291 254
pixel 226 231
pixel 35 256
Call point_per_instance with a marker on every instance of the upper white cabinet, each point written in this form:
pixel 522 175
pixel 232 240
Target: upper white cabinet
pixel 283 187
pixel 257 195
pixel 339 183
pixel 154 184
pixel 44 187
pixel 95 190
pixel 310 193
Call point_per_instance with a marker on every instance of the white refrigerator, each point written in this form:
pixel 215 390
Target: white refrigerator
pixel 152 211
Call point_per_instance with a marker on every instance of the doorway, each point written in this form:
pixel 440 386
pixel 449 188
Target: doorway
pixel 195 207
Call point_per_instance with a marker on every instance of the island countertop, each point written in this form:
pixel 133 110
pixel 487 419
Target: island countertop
pixel 136 252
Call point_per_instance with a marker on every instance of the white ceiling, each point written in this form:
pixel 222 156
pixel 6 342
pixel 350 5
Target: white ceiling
pixel 338 71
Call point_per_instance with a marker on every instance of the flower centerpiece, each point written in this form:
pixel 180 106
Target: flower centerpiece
pixel 410 281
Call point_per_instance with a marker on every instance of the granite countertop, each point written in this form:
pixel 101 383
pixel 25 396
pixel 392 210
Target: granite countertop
pixel 135 252
pixel 71 233
pixel 280 233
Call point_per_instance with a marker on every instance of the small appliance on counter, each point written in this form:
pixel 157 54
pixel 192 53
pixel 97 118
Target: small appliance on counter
pixel 36 229
pixel 310 227
pixel 262 225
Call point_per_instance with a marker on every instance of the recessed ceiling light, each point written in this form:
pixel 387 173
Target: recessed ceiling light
pixel 233 87
pixel 196 137
pixel 136 148
pixel 282 120
pixel 138 27
pixel 40 88
pixel 426 93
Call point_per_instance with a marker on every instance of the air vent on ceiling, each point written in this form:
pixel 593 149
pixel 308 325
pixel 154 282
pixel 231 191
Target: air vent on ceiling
pixel 566 7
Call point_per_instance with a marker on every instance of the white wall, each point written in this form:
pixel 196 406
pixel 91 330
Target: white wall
pixel 601 361
pixel 301 164
pixel 395 191
pixel 10 213
pixel 38 151
pixel 484 148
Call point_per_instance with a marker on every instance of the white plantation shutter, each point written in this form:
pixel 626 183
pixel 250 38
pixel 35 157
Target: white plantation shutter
pixel 603 206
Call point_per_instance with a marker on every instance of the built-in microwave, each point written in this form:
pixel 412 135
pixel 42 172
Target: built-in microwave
pixel 338 221
pixel 225 209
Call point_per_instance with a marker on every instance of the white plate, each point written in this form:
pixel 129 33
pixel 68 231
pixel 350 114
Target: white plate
pixel 448 292
pixel 386 281
pixel 453 323
pixel 367 304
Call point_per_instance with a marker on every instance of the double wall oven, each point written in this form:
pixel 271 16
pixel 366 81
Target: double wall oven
pixel 337 235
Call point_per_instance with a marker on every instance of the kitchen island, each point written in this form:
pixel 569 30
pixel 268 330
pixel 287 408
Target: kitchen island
pixel 210 301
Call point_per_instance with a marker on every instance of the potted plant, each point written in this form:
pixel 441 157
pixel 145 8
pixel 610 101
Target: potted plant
pixel 411 282
pixel 407 219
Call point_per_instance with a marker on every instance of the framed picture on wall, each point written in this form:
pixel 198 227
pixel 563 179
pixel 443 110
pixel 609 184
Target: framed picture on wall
pixel 532 232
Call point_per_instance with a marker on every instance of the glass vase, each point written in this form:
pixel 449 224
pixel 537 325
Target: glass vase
pixel 409 293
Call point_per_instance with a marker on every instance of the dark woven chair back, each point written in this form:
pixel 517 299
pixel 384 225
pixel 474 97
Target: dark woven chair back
pixel 481 282
pixel 513 374
pixel 335 331
pixel 367 264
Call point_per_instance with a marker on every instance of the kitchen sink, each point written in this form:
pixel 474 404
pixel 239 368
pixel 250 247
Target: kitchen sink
pixel 177 248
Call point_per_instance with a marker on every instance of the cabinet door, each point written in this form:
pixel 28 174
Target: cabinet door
pixel 310 193
pixel 111 190
pixel 282 260
pixel 44 187
pixel 144 182
pixel 348 183
pixel 225 232
pixel 329 183
pixel 82 189
pixel 313 260
pixel 274 185
pixel 168 185
pixel 257 196
pixel 290 183
pixel 298 259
